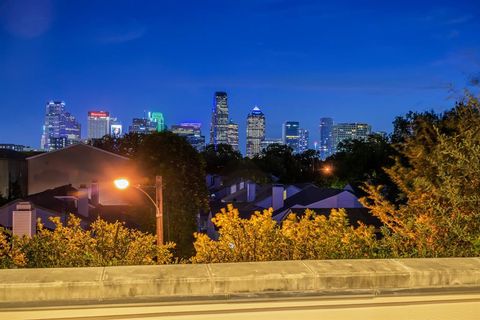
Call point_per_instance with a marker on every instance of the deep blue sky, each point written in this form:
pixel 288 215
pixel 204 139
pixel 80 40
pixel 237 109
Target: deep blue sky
pixel 297 59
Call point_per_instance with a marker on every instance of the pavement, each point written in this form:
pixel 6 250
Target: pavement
pixel 464 306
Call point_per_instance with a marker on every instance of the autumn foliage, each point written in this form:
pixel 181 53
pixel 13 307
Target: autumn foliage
pixel 261 238
pixel 103 244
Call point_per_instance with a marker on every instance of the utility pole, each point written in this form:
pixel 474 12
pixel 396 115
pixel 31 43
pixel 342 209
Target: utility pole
pixel 159 203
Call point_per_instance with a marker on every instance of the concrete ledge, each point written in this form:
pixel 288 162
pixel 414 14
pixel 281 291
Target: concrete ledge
pixel 179 282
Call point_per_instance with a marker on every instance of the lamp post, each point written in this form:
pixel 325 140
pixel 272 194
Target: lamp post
pixel 123 184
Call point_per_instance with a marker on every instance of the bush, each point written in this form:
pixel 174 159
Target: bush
pixel 260 238
pixel 104 244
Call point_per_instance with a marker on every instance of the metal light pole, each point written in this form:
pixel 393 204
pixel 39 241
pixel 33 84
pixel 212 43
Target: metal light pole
pixel 158 202
pixel 159 207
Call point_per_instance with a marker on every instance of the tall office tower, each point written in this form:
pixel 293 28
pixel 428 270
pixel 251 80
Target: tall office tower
pixel 291 135
pixel 325 145
pixel 303 140
pixel 255 131
pixel 350 131
pixel 98 124
pixel 158 119
pixel 269 141
pixel 232 135
pixel 219 125
pixel 142 125
pixel 192 133
pixel 60 128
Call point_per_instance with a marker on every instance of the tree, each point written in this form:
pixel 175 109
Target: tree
pixel 360 161
pixel 220 157
pixel 438 175
pixel 183 172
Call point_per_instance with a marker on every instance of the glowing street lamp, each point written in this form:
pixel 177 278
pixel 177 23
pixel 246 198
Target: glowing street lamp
pixel 122 184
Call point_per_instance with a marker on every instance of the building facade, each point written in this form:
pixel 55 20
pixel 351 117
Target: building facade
pixel 350 131
pixel 158 119
pixel 142 125
pixel 191 131
pixel 291 135
pixel 219 124
pixel 60 128
pixel 303 140
pixel 325 145
pixel 269 141
pixel 255 132
pixel 232 135
pixel 98 124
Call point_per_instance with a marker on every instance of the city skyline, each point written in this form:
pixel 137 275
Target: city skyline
pixel 386 60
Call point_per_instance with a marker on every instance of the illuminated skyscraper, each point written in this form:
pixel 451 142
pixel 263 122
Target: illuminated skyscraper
pixel 325 144
pixel 303 140
pixel 192 133
pixel 350 131
pixel 255 132
pixel 60 128
pixel 270 141
pixel 291 135
pixel 158 119
pixel 232 135
pixel 98 124
pixel 219 125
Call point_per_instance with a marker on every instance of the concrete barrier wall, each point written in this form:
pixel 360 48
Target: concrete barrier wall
pixel 170 282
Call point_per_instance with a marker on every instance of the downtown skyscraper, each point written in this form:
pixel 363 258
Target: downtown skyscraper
pixel 349 131
pixel 98 124
pixel 232 135
pixel 291 135
pixel 325 144
pixel 303 140
pixel 60 129
pixel 219 124
pixel 255 132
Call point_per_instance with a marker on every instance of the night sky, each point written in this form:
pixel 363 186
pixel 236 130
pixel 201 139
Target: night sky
pixel 298 60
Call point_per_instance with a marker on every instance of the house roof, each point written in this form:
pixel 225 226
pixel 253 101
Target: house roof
pixel 11 154
pixel 75 146
pixel 309 195
pixel 355 215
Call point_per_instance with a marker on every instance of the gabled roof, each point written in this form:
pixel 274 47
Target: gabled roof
pixel 355 215
pixel 74 146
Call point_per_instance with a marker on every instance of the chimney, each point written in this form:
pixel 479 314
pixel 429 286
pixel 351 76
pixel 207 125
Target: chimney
pixel 24 220
pixel 277 196
pixel 251 189
pixel 82 200
pixel 94 193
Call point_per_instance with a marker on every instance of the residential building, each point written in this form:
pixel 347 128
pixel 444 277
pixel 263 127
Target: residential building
pixel 192 133
pixel 13 174
pixel 269 141
pixel 255 132
pixel 303 140
pixel 77 165
pixel 232 135
pixel 291 135
pixel 98 124
pixel 60 128
pixel 325 145
pixel 219 124
pixel 349 131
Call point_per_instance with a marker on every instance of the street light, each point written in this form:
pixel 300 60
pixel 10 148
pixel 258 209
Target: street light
pixel 123 183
